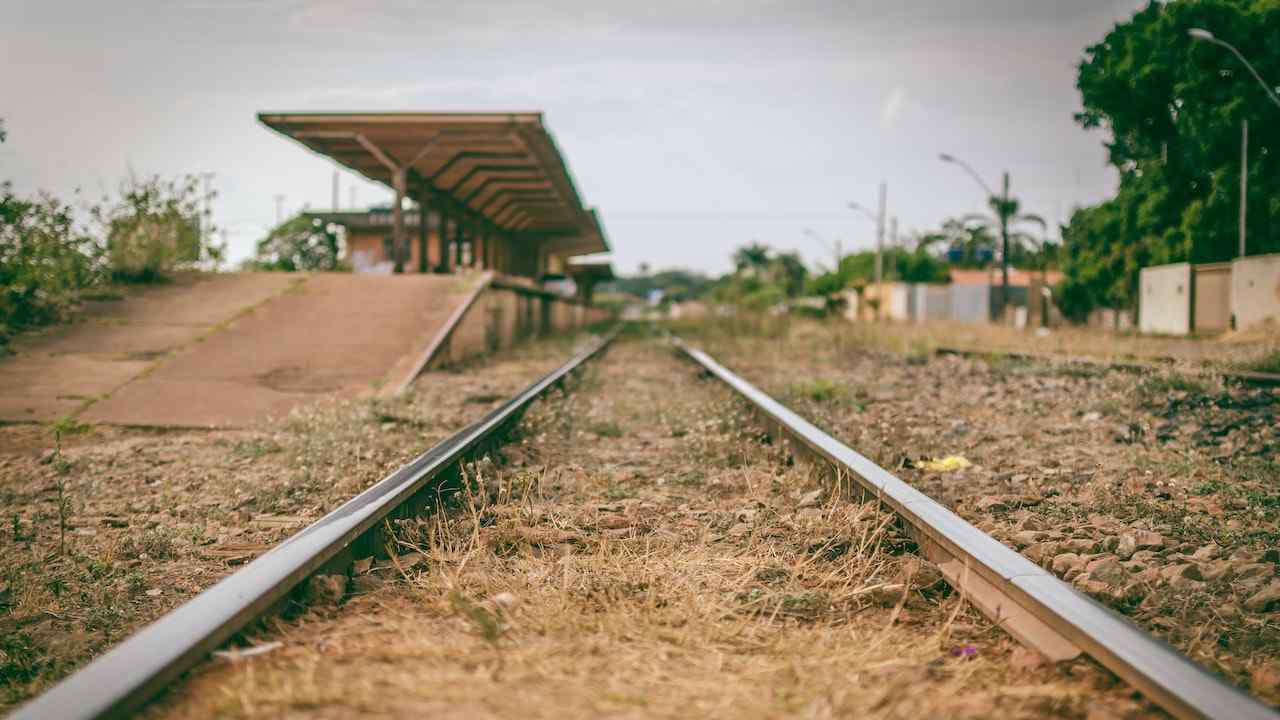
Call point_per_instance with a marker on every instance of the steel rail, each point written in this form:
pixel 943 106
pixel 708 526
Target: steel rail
pixel 1167 677
pixel 124 678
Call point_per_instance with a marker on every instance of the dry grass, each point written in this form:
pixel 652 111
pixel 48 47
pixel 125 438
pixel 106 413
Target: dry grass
pixel 641 552
pixel 123 525
pixel 1067 461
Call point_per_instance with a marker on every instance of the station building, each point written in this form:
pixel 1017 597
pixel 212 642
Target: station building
pixel 484 191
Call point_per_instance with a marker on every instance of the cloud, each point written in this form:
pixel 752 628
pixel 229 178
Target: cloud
pixel 892 107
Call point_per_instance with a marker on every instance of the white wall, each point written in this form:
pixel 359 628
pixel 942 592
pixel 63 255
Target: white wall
pixel 1255 290
pixel 1164 305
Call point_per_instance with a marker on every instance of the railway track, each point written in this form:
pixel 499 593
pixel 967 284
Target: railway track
pixel 130 674
pixel 1032 605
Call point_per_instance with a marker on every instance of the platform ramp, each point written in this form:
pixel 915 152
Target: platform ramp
pixel 333 334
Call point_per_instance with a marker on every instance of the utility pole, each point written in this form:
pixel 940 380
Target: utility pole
pixel 893 241
pixel 279 208
pixel 884 191
pixel 1004 248
pixel 1244 179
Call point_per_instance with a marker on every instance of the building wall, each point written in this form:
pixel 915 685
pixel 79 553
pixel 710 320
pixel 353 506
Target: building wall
pixel 1212 311
pixel 851 303
pixel 900 300
pixel 971 303
pixel 933 302
pixel 367 252
pixel 1255 290
pixel 1164 300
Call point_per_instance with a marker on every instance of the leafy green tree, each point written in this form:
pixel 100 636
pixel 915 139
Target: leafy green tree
pixel 300 244
pixel 1173 109
pixel 788 272
pixel 676 284
pixel 751 258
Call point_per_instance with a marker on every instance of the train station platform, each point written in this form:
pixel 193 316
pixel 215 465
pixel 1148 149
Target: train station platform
pixel 227 350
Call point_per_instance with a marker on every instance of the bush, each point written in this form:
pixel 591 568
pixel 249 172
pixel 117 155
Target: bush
pixel 154 228
pixel 45 261
pixel 300 244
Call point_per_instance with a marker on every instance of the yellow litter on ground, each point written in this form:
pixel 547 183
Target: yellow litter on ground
pixel 950 463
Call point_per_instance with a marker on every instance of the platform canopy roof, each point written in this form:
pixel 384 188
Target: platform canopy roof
pixel 595 268
pixel 504 167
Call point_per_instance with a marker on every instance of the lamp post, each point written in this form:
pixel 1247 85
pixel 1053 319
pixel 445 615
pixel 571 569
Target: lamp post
pixel 1206 36
pixel 1001 205
pixel 878 217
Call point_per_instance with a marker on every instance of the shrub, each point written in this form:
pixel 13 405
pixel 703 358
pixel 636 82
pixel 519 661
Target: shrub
pixel 154 228
pixel 300 244
pixel 45 261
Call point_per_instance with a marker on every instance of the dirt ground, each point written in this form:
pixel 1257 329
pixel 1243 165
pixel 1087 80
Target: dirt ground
pixel 121 524
pixel 641 552
pixel 1156 493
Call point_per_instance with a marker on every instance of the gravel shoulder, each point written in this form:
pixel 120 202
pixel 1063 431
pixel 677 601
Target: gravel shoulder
pixel 1156 493
pixel 107 528
pixel 640 550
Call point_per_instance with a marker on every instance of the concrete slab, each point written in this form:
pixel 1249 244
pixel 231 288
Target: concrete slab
pixel 55 372
pixel 335 333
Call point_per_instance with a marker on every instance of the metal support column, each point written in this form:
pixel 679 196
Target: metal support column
pixel 399 180
pixel 442 235
pixel 424 213
pixel 458 233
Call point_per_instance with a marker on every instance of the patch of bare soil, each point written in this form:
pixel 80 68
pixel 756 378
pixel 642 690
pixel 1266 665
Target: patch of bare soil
pixel 641 551
pixel 110 528
pixel 1156 493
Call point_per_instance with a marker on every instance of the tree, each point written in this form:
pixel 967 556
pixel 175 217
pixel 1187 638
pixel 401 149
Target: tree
pixel 675 284
pixel 751 258
pixel 300 244
pixel 1173 109
pixel 788 272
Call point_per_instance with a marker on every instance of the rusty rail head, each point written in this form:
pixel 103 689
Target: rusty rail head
pixel 1167 677
pixel 120 681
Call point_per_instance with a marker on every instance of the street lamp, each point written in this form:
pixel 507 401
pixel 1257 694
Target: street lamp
pixel 1001 205
pixel 1206 36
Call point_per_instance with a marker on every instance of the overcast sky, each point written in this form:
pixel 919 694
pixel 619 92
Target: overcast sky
pixel 693 127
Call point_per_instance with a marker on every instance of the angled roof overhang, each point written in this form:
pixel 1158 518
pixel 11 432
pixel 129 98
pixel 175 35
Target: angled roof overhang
pixel 598 269
pixel 504 167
